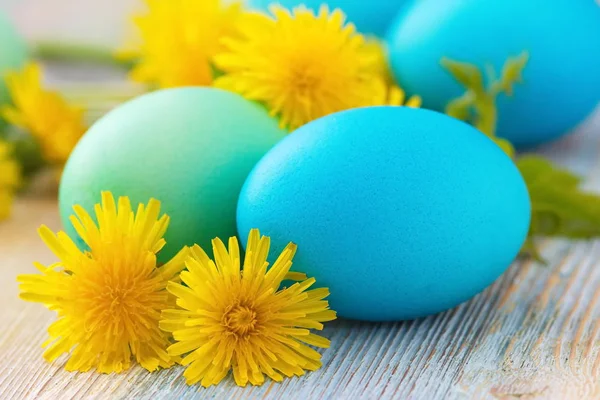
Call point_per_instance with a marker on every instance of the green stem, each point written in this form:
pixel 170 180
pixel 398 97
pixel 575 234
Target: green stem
pixel 72 52
pixel 487 114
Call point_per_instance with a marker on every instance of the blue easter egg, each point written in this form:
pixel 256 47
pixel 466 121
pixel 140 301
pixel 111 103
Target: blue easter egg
pixel 561 80
pixel 401 212
pixel 371 17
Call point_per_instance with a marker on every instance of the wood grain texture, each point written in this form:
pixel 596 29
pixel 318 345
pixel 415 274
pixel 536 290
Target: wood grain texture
pixel 534 334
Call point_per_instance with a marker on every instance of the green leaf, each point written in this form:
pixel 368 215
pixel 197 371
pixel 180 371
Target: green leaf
pixel 559 207
pixel 513 72
pixel 506 146
pixel 26 151
pixel 466 74
pixel 460 108
pixel 541 172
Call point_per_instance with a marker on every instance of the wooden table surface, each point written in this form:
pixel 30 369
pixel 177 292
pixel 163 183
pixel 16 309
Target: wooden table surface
pixel 534 334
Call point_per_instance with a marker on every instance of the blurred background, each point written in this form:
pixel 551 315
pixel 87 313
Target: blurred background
pixel 105 24
pixel 97 22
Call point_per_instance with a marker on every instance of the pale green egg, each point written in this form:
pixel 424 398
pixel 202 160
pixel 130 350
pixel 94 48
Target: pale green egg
pixel 190 148
pixel 13 53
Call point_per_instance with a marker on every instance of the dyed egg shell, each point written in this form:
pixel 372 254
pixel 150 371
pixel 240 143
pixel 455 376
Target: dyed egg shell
pixel 561 80
pixel 13 53
pixel 374 16
pixel 190 148
pixel 401 212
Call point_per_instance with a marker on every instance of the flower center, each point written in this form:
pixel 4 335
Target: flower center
pixel 119 303
pixel 240 320
pixel 304 80
pixel 117 297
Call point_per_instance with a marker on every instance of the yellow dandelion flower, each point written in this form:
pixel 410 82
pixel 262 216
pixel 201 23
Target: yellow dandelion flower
pixel 375 48
pixel 392 95
pixel 56 125
pixel 240 320
pixel 302 66
pixel 108 299
pixel 178 40
pixel 10 179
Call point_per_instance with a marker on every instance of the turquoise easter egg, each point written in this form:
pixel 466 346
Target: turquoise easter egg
pixel 13 53
pixel 190 148
pixel 401 212
pixel 560 82
pixel 370 17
